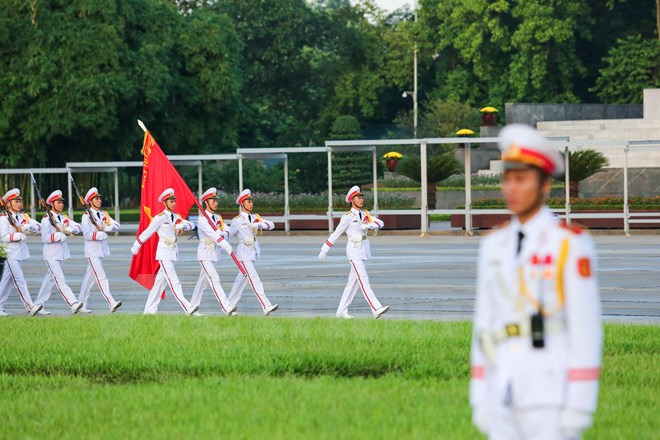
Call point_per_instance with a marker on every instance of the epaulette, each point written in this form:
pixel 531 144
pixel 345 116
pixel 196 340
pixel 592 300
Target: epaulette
pixel 237 217
pixel 162 213
pixel 348 212
pixel 4 214
pixel 573 227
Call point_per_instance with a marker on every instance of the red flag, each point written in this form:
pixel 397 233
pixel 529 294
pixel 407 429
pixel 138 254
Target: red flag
pixel 158 174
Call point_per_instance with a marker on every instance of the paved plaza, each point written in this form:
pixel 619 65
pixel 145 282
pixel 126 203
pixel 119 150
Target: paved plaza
pixel 430 278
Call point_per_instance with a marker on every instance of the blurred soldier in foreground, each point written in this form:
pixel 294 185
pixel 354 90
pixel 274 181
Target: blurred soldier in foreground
pixel 536 350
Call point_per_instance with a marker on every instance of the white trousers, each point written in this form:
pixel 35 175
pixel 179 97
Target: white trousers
pixel 257 286
pixel 208 276
pixel 358 279
pixel 95 274
pixel 507 423
pixel 13 275
pixel 166 276
pixel 55 278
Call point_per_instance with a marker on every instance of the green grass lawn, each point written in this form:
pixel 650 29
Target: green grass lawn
pixel 162 376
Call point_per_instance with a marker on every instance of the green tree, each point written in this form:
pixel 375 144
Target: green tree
pixel 75 76
pixel 630 67
pixel 439 167
pixel 349 168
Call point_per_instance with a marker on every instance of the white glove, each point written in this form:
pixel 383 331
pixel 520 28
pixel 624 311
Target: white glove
pixel 225 246
pixel 135 248
pixel 59 237
pixel 179 226
pixel 100 235
pixel 322 255
pixel 480 419
pixel 111 228
pixel 19 237
pixel 365 226
pixel 25 227
pixel 249 241
pixel 572 422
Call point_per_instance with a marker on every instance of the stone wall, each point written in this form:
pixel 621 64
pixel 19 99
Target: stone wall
pixel 532 113
pixel 644 182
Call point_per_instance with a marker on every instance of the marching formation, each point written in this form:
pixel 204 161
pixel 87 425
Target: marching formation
pixel 214 236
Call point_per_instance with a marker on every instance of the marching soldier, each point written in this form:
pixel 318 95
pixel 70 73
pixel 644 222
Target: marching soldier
pixel 96 224
pixel 246 226
pixel 355 223
pixel 207 252
pixel 55 230
pixel 14 226
pixel 536 351
pixel 168 224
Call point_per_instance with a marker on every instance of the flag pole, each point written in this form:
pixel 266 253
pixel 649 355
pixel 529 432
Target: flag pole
pixel 203 211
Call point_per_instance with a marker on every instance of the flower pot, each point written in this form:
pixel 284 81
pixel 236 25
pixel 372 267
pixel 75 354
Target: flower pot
pixel 490 119
pixel 391 164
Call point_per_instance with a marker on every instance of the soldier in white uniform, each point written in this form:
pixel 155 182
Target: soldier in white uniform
pixel 246 226
pixel 14 226
pixel 207 252
pixel 536 351
pixel 168 224
pixel 95 230
pixel 355 223
pixel 55 230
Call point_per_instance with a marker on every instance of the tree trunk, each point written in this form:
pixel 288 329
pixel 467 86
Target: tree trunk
pixel 574 188
pixel 431 194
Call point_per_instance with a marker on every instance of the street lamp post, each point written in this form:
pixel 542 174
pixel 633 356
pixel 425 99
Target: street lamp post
pixel 414 91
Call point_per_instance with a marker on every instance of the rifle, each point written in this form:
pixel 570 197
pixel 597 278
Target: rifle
pixel 82 201
pixel 3 206
pixel 43 204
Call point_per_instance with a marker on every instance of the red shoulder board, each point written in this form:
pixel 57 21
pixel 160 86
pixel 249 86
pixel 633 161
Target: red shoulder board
pixel 575 229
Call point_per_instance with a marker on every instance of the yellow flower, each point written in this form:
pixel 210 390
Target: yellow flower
pixel 464 132
pixel 392 155
pixel 488 110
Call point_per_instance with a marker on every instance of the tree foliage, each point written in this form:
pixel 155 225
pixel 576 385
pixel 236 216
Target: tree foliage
pixel 209 75
pixel 631 66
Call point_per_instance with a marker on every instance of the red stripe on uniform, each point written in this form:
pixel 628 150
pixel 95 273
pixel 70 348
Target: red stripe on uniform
pixel 57 284
pixel 11 237
pixel 580 374
pixel 263 306
pixel 94 236
pixel 478 372
pixel 98 281
pixel 208 277
pixel 139 241
pixel 52 238
pixel 328 243
pixel 364 292
pixel 219 239
pixel 13 277
pixel 172 288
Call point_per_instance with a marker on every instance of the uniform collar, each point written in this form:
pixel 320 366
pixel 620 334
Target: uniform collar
pixel 210 213
pixel 356 211
pixel 52 211
pixel 245 214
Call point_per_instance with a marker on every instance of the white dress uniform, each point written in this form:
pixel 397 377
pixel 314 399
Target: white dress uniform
pixel 210 242
pixel 95 231
pixel 167 224
pixel 14 235
pixel 355 224
pixel 517 390
pixel 55 252
pixel 246 226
